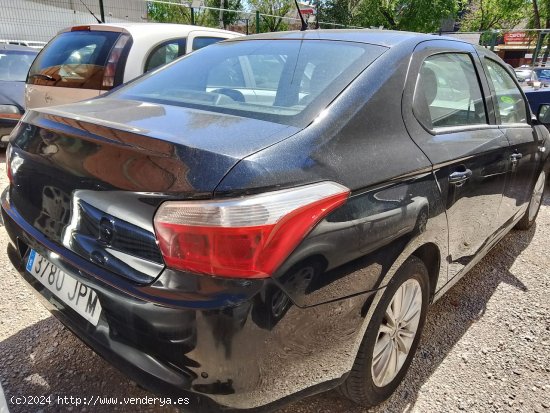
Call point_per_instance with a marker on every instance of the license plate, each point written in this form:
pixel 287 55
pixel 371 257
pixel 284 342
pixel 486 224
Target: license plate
pixel 68 289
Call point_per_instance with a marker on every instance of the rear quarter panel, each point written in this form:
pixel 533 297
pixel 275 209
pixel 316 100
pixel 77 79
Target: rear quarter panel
pixel 360 141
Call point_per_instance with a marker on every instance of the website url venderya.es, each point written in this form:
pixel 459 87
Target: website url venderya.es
pixel 98 401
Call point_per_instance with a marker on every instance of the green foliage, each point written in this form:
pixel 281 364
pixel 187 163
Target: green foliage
pixel 171 13
pixel 278 8
pixel 168 13
pixel 484 15
pixel 414 15
pixel 337 11
pixel 540 16
pixel 229 17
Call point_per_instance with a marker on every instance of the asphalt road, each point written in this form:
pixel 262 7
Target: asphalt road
pixel 486 345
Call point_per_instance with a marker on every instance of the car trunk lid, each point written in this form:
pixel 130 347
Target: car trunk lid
pixel 90 176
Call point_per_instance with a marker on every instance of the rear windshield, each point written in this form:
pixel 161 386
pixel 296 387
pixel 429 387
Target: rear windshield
pixel 14 65
pixel 74 59
pixel 283 81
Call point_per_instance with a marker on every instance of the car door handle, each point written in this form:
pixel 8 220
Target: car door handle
pixel 460 177
pixel 515 157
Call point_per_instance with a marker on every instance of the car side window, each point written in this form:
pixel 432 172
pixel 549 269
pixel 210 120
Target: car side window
pixel 165 53
pixel 448 93
pixel 510 105
pixel 200 42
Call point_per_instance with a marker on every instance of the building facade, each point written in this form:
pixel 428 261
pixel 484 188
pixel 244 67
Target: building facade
pixel 40 20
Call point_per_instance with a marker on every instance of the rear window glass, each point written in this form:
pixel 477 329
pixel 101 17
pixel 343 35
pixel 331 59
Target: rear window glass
pixel 283 81
pixel 74 59
pixel 14 65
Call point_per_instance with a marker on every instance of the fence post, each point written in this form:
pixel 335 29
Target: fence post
pixel 257 21
pixel 537 49
pixel 493 40
pixel 102 11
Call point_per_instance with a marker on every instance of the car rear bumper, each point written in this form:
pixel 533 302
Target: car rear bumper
pixel 212 342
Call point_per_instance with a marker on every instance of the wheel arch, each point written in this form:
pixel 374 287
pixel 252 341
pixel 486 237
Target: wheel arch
pixel 430 255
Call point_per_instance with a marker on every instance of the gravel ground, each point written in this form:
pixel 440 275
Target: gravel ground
pixel 486 344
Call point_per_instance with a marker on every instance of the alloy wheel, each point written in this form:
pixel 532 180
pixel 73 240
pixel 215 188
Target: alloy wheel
pixel 397 332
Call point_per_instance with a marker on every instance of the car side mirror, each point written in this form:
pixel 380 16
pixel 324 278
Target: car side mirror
pixel 544 114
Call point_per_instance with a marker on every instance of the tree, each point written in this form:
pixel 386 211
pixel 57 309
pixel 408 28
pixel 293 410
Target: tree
pixel 276 8
pixel 414 15
pixel 337 11
pixel 483 15
pixel 174 13
pixel 168 13
pixel 540 19
pixel 228 17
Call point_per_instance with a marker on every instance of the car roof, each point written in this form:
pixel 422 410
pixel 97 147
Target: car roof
pixel 150 28
pixel 387 38
pixel 17 48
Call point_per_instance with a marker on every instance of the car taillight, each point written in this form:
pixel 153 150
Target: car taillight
pixel 246 237
pixel 10 112
pixel 114 57
pixel 80 28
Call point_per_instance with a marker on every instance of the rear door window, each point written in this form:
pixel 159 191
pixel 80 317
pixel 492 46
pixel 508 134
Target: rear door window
pixel 510 105
pixel 165 53
pixel 74 59
pixel 448 93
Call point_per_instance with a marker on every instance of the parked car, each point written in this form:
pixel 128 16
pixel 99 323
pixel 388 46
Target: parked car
pixel 539 100
pixel 526 74
pixel 270 217
pixel 82 62
pixel 34 44
pixel 543 75
pixel 14 65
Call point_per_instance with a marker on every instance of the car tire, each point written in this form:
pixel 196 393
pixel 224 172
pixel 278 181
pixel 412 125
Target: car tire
pixel 528 219
pixel 367 385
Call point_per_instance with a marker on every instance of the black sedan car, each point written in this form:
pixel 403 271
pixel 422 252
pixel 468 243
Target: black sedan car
pixel 14 65
pixel 271 216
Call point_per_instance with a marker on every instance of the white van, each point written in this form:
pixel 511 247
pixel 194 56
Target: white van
pixel 82 62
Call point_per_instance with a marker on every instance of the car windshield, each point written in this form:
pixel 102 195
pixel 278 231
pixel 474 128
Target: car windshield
pixel 283 81
pixel 14 65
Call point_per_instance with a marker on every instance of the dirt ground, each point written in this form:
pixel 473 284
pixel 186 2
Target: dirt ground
pixel 485 348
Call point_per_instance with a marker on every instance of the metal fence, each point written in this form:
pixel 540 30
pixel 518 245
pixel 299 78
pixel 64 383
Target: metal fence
pixel 40 20
pixel 516 46
pixel 244 21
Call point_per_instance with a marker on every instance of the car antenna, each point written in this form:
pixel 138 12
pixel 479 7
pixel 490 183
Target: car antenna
pixel 304 24
pixel 91 12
